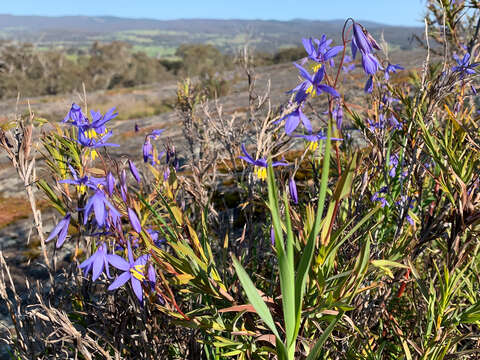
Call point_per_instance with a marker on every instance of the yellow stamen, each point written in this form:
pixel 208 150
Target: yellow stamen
pixel 81 189
pixel 311 90
pixel 93 154
pixel 91 134
pixel 316 67
pixel 312 145
pixel 137 272
pixel 261 172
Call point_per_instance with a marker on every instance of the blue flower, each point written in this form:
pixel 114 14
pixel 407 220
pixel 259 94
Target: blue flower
pixel 99 204
pixel 363 41
pixel 155 133
pixel 381 199
pixel 75 114
pixel 99 120
pixel 134 171
pixel 463 65
pixel 260 164
pixel 313 139
pixel 97 263
pixel 134 221
pixel 292 187
pixel 293 119
pixel 83 123
pixel 147 150
pixel 337 114
pixel 322 51
pixel 311 85
pixel 369 85
pixel 370 64
pixel 372 126
pixel 133 271
pixel 110 183
pixel 394 123
pixel 86 139
pixel 83 182
pixel 391 69
pixel 61 230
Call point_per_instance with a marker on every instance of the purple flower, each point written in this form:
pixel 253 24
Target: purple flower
pixel 260 164
pixel 89 131
pixel 348 68
pixel 313 139
pixel 83 182
pixel 110 183
pixel 381 199
pixel 86 139
pixel 370 64
pixel 338 115
pixel 133 271
pixel 363 41
pixel 61 230
pixel 322 51
pixel 463 65
pixel 147 150
pixel 272 236
pixel 99 121
pixel 154 235
pixel 75 114
pixel 156 133
pixel 96 263
pixel 372 126
pixel 293 119
pixel 134 171
pixel 360 40
pixel 410 220
pixel 394 123
pixel 166 173
pixel 312 84
pixel 369 85
pixel 151 276
pixel 392 69
pixel 99 204
pixel 292 187
pixel 134 221
pixel 393 163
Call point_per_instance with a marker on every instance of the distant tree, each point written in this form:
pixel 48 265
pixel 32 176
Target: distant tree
pixel 288 55
pixel 203 60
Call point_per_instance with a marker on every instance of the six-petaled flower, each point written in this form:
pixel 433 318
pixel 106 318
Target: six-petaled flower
pixel 260 165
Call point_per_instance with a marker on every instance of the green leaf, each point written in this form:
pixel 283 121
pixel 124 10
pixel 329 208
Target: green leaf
pixel 315 352
pixel 308 251
pixel 255 298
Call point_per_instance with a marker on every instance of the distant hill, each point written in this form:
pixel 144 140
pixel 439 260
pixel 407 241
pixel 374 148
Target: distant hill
pixel 162 37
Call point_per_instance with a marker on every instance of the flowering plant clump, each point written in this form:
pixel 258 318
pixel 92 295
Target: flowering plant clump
pixel 363 244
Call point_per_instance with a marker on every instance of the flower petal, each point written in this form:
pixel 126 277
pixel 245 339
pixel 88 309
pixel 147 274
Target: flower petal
pixel 137 289
pixel 118 262
pixel 120 280
pixel 97 267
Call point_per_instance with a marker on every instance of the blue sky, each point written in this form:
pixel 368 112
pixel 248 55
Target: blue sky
pixel 404 12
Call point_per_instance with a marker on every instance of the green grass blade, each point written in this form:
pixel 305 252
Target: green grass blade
pixel 315 353
pixel 255 298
